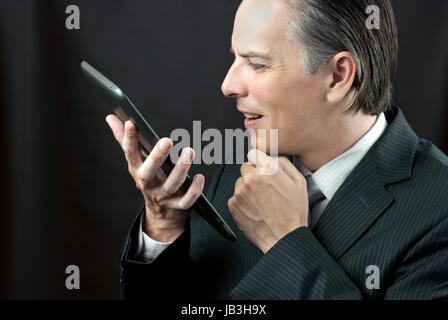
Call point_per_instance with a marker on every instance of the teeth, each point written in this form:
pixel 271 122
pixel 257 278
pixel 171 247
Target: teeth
pixel 251 116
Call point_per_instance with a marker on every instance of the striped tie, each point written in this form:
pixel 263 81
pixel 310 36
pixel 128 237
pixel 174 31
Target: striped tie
pixel 314 196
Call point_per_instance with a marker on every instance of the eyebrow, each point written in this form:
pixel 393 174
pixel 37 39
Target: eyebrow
pixel 252 54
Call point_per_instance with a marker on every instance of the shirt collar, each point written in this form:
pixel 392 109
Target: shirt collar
pixel 333 174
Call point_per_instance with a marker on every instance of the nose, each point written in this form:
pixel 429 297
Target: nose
pixel 234 85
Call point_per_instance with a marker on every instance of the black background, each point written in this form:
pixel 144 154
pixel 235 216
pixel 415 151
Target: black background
pixel 67 197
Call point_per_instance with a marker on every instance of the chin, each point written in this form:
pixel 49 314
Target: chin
pixel 264 144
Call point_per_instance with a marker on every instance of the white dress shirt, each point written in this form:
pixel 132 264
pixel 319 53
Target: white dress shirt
pixel 328 178
pixel 333 174
pixel 148 248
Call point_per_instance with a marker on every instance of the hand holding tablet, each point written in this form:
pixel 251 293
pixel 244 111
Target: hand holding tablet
pixel 168 190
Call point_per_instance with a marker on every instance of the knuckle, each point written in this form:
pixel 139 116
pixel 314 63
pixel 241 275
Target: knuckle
pixel 142 178
pixel 184 204
pixel 283 159
pixel 301 179
pixel 238 195
pixel 161 206
pixel 157 199
pixel 195 194
pixel 127 132
pixel 284 162
pixel 186 156
pixel 182 167
pixel 231 203
pixel 168 190
pixel 156 156
pixel 150 200
pixel 249 181
pixel 239 184
pixel 126 151
pixel 129 128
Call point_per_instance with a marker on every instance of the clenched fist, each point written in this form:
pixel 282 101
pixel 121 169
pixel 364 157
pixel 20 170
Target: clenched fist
pixel 266 207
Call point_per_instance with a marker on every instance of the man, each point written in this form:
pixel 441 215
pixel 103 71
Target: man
pixel 361 211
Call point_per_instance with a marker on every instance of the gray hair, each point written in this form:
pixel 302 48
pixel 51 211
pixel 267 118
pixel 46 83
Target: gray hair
pixel 322 28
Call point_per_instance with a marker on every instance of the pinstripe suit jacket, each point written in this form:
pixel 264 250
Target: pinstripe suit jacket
pixel 391 212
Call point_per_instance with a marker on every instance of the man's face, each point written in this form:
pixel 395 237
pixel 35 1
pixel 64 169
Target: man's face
pixel 267 78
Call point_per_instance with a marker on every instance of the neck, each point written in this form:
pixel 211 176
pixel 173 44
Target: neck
pixel 336 138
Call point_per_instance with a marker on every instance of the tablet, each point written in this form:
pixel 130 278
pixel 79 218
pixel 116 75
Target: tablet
pixel 125 110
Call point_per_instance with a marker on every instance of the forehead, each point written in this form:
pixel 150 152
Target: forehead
pixel 260 25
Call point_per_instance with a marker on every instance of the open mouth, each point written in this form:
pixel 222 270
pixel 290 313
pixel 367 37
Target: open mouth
pixel 251 119
pixel 252 116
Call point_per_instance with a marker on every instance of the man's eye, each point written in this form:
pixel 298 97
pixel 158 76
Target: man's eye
pixel 256 66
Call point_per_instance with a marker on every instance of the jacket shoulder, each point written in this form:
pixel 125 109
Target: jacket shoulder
pixel 430 165
pixel 428 153
pixel 428 185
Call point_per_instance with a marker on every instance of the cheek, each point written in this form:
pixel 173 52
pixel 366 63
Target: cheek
pixel 270 95
pixel 279 96
pixel 295 98
pixel 291 103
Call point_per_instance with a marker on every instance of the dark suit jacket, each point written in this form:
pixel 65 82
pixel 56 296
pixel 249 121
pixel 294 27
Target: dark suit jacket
pixel 391 212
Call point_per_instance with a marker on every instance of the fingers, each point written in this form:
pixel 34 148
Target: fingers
pixel 154 161
pixel 259 158
pixel 130 146
pixel 246 168
pixel 193 193
pixel 177 176
pixel 148 171
pixel 241 201
pixel 289 168
pixel 127 136
pixel 189 198
pixel 265 165
pixel 116 126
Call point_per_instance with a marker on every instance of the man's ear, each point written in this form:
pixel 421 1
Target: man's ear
pixel 342 71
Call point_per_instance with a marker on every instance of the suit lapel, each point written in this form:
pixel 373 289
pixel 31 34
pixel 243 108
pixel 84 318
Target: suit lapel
pixel 352 210
pixel 363 197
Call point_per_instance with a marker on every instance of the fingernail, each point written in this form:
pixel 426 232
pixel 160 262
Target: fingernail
pixel 128 127
pixel 186 157
pixel 164 145
pixel 198 179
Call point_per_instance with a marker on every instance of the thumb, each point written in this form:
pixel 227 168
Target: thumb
pixel 116 126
